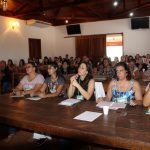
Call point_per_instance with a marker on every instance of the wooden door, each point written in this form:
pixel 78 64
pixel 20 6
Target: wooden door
pixel 34 48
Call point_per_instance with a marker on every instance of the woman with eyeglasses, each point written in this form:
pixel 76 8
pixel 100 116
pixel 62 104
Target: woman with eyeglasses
pixel 54 85
pixel 28 85
pixel 123 88
pixel 31 82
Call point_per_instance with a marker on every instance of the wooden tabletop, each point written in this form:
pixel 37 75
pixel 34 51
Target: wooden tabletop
pixel 127 128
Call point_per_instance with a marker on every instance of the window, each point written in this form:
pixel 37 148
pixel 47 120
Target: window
pixel 114 46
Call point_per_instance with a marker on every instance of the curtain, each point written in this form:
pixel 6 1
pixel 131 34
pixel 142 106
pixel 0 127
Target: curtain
pixel 93 46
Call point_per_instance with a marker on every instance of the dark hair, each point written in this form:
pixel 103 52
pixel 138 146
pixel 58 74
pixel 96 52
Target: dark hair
pixel 11 62
pixel 109 61
pixel 89 75
pixel 54 64
pixel 125 66
pixel 33 65
pixel 89 69
pixel 22 61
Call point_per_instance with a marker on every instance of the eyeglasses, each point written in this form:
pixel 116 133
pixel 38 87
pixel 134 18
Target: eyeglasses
pixel 118 71
pixel 28 66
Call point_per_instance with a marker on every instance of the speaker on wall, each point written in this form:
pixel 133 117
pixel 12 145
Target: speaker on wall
pixel 73 29
pixel 140 23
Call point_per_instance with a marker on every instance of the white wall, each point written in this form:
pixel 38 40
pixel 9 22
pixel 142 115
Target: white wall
pixel 14 43
pixel 135 41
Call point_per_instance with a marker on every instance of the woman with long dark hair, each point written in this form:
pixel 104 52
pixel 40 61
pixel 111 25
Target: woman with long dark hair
pixel 54 84
pixel 82 84
pixel 123 88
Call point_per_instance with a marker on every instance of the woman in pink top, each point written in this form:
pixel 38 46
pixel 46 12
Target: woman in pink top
pixel 31 82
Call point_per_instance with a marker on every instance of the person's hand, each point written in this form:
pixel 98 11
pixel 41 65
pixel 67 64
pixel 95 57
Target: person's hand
pixel 16 92
pixel 75 83
pixel 148 87
pixel 132 103
pixel 32 94
pixel 42 95
pixel 73 78
pixel 100 99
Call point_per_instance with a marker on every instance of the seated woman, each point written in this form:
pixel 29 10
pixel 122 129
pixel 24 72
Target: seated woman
pixel 134 69
pixel 31 82
pixel 82 84
pixel 55 83
pixel 123 88
pixel 146 99
pixel 107 69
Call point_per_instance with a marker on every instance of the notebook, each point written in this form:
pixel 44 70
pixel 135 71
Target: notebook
pixel 88 116
pixel 112 105
pixel 69 102
pixel 34 98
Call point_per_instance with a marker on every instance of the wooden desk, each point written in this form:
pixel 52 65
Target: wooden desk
pixel 128 128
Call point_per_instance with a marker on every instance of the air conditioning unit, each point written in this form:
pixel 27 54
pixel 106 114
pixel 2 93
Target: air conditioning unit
pixel 38 23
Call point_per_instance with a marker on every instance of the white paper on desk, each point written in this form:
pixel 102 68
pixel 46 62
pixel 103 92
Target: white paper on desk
pixel 112 105
pixel 69 102
pixel 104 103
pixel 34 98
pixel 118 105
pixel 88 116
pixel 17 96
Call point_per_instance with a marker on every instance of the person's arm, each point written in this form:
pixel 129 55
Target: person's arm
pixel 86 94
pixel 59 89
pixel 138 93
pixel 146 99
pixel 19 87
pixel 36 89
pixel 57 93
pixel 71 88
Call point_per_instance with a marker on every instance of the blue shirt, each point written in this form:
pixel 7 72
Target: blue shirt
pixel 125 97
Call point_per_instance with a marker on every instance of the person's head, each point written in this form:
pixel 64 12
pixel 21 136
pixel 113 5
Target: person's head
pixel 130 58
pixel 3 64
pixel 84 69
pixel 53 69
pixel 123 58
pixel 10 62
pixel 31 68
pixel 132 64
pixel 21 63
pixel 116 59
pixel 122 71
pixel 106 62
pixel 65 65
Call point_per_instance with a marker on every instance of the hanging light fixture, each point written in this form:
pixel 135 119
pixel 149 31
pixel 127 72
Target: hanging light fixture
pixel 4 4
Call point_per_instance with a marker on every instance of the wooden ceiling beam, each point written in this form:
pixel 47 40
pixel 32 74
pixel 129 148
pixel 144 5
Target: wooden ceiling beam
pixel 76 17
pixel 89 12
pixel 54 6
pixel 24 5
